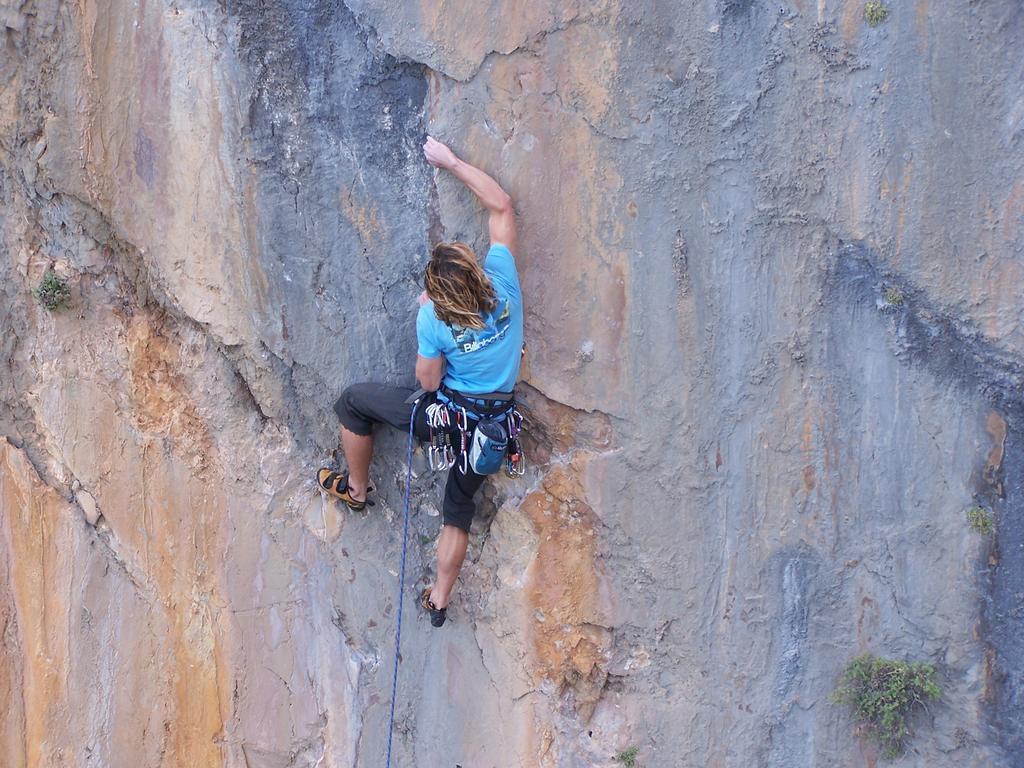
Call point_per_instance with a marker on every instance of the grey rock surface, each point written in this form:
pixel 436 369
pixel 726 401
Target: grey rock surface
pixel 772 259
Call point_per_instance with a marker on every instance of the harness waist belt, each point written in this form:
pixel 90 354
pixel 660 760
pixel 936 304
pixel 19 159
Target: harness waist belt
pixel 493 403
pixel 454 394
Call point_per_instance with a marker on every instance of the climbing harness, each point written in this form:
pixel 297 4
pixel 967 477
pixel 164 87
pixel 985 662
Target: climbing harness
pixel 488 429
pixel 401 577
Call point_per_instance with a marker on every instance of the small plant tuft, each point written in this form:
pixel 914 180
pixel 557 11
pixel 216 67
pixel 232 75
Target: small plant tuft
pixel 628 756
pixel 884 694
pixel 981 519
pixel 875 13
pixel 53 292
pixel 894 296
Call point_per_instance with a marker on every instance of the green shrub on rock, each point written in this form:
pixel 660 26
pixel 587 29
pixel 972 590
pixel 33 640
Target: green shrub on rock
pixel 981 520
pixel 894 297
pixel 628 756
pixel 884 694
pixel 875 13
pixel 53 292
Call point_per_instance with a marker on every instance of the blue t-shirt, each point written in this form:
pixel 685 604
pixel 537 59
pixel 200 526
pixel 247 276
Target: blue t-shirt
pixel 487 360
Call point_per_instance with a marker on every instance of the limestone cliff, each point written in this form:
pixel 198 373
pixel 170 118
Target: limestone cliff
pixel 773 263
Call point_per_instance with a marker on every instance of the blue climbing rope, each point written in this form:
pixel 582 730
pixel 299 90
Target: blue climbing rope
pixel 401 577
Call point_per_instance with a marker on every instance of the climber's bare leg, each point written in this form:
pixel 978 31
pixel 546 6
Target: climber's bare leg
pixel 451 552
pixel 358 453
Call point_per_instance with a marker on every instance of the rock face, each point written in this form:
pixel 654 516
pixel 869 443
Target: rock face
pixel 773 263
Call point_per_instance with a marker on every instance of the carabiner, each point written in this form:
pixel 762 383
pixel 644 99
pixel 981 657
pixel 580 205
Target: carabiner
pixel 515 465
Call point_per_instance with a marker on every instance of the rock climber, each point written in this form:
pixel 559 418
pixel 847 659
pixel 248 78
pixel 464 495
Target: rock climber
pixel 469 331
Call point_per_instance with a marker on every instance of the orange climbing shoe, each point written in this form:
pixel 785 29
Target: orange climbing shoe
pixel 336 484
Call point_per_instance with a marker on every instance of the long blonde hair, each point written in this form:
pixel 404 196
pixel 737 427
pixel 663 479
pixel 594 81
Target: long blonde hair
pixel 457 285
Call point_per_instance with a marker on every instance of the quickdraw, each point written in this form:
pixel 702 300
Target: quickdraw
pixel 515 461
pixel 440 453
pixel 462 421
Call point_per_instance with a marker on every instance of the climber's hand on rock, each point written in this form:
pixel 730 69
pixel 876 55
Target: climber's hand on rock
pixel 438 154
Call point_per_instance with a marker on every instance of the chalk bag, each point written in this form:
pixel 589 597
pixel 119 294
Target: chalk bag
pixel 488 446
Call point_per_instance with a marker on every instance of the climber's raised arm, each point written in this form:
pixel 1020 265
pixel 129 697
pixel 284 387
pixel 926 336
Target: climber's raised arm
pixel 502 222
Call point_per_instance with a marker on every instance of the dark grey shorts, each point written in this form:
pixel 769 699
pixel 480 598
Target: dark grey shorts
pixel 363 405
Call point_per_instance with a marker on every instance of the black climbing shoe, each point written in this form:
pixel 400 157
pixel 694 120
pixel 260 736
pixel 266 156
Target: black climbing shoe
pixel 437 615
